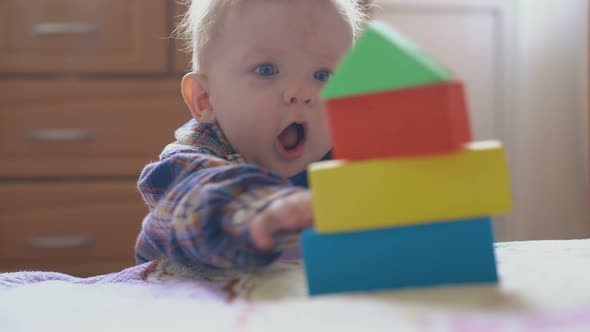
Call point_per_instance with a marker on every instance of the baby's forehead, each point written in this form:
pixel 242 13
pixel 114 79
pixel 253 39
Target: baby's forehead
pixel 310 16
pixel 274 25
pixel 254 53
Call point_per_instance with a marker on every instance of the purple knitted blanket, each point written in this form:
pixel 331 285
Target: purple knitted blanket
pixel 544 287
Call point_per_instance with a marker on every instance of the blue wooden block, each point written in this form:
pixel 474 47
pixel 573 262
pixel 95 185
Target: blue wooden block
pixel 454 252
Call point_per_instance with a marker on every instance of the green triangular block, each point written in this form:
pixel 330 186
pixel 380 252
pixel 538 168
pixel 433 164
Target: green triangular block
pixel 382 59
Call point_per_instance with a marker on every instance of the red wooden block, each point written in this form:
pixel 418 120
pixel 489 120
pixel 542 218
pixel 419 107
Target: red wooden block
pixel 420 120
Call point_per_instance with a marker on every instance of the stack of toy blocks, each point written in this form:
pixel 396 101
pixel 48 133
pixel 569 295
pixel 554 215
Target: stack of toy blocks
pixel 406 201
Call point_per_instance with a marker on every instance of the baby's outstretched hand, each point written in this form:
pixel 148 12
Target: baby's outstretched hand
pixel 290 214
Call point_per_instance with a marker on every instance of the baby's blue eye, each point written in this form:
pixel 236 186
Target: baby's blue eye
pixel 266 70
pixel 322 75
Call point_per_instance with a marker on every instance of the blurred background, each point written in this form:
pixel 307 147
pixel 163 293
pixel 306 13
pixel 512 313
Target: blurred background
pixel 89 93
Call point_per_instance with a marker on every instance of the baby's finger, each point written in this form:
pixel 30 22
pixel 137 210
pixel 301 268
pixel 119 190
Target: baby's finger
pixel 261 232
pixel 294 220
pixel 297 213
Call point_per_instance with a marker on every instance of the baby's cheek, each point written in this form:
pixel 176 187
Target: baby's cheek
pixel 324 126
pixel 255 82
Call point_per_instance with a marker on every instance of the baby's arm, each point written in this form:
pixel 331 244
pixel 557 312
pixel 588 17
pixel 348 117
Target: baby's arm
pixel 206 210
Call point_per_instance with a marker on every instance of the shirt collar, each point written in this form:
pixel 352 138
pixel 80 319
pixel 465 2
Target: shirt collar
pixel 208 137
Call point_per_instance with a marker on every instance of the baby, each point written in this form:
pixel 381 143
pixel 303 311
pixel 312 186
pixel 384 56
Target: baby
pixel 224 194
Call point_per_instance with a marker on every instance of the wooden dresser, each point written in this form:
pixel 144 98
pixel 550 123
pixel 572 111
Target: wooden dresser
pixel 89 94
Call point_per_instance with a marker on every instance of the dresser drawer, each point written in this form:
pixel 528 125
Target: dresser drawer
pixel 83 36
pixel 98 128
pixel 64 222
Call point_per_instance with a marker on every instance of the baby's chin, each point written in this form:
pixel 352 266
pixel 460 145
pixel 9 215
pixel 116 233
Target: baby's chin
pixel 287 169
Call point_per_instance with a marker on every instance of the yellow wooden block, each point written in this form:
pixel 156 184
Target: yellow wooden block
pixel 350 196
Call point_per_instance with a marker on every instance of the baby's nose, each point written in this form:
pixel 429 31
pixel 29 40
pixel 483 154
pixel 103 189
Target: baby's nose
pixel 293 100
pixel 299 95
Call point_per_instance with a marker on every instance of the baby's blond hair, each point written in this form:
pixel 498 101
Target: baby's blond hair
pixel 200 20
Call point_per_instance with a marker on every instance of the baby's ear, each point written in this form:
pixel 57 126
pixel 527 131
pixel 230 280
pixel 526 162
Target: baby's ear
pixel 196 96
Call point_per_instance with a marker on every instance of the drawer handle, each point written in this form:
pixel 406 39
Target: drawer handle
pixel 57 242
pixel 64 28
pixel 60 135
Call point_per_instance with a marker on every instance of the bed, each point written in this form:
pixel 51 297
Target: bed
pixel 545 286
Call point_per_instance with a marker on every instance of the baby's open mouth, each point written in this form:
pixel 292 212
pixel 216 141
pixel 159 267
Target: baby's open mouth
pixel 291 140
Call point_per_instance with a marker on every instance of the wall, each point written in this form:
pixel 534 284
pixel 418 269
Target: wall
pixel 550 120
pixel 525 66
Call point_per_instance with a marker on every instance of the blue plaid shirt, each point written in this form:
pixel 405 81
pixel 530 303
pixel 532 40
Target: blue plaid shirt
pixel 202 196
